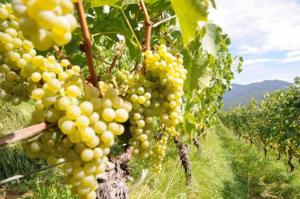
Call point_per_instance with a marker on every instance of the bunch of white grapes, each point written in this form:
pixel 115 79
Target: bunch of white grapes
pixel 46 22
pixel 169 72
pixel 159 152
pixel 16 56
pixel 157 101
pixel 86 121
pixel 141 119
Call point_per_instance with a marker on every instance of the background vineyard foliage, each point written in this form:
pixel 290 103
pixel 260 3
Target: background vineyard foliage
pixel 274 123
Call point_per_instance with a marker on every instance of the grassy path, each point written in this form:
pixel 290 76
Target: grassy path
pixel 226 168
pixel 212 174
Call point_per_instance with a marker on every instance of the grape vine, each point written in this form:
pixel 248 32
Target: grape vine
pixel 274 123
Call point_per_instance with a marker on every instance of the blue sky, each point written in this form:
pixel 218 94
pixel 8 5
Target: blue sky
pixel 266 33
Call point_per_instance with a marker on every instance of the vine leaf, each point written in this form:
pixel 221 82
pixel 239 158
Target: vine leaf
pixel 98 3
pixel 114 3
pixel 196 70
pixel 189 13
pixel 209 40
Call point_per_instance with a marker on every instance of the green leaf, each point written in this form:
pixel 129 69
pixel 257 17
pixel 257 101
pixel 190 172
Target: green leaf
pixel 196 69
pixel 114 3
pixel 189 13
pixel 205 78
pixel 209 41
pixel 98 3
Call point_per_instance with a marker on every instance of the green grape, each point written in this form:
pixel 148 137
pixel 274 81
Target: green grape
pixel 87 134
pixel 107 137
pixel 63 103
pixel 87 155
pixel 87 125
pixel 35 147
pixel 94 117
pixel 86 108
pixel 73 112
pixel 155 97
pixel 68 127
pixel 94 142
pixel 100 127
pixel 73 91
pixel 108 114
pixel 3 14
pixel 121 115
pixel 37 94
pixel 88 181
pixel 82 121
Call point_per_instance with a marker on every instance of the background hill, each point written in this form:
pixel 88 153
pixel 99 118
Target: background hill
pixel 241 94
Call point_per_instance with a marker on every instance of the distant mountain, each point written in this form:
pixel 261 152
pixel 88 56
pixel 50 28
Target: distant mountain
pixel 241 94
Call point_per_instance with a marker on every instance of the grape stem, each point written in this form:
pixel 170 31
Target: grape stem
pixel 163 21
pixel 116 57
pixel 136 66
pixel 88 46
pixel 148 26
pixel 60 54
pixel 23 134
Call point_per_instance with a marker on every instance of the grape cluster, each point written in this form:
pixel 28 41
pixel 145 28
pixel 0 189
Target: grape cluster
pixel 157 101
pixel 169 73
pixel 159 151
pixel 46 22
pixel 16 55
pixel 141 118
pixel 87 124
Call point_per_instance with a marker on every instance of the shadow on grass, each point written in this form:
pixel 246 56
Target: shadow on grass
pixel 258 177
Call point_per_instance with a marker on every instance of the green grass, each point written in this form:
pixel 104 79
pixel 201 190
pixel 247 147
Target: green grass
pixel 14 162
pixel 14 117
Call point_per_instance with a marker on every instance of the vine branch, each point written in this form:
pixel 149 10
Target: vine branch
pixel 148 26
pixel 88 46
pixel 23 134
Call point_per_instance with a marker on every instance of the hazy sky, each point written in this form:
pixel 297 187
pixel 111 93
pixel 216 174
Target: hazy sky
pixel 266 33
